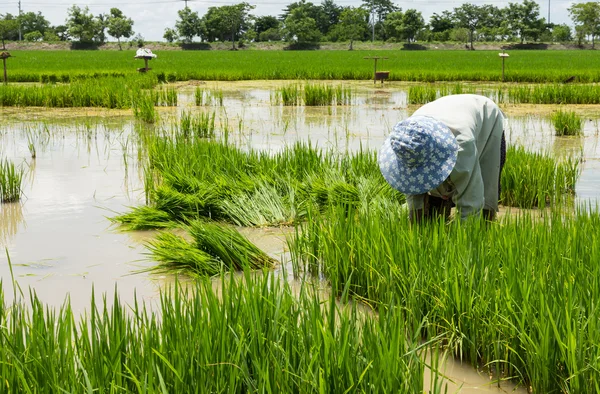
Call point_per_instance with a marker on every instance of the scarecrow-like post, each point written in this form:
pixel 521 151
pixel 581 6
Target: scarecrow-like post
pixel 4 56
pixel 381 75
pixel 146 54
pixel 503 56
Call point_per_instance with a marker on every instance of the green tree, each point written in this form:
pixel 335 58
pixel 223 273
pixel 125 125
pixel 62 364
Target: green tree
pixel 170 35
pixel 81 24
pixel 229 22
pixel 393 25
pixel 524 19
pixel 33 36
pixel 8 29
pixel 309 10
pixel 412 23
pixel 119 25
pixel 264 23
pixel 189 24
pixel 561 33
pixel 62 32
pixel 31 22
pixel 379 9
pixel 586 17
pixel 470 17
pixel 332 13
pixel 354 24
pixel 441 25
pixel 301 28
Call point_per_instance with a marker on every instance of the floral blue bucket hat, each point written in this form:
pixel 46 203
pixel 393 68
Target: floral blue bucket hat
pixel 418 155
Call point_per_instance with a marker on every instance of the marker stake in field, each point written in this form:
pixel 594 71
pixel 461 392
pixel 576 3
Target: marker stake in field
pixel 503 56
pixel 381 75
pixel 4 56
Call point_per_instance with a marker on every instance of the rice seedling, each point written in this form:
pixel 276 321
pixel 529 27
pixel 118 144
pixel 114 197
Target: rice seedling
pixel 318 95
pixel 554 94
pixel 533 179
pixel 505 297
pixel 201 125
pixel 143 108
pixel 252 335
pixel 11 181
pixel 567 123
pixel 165 97
pixel 199 96
pixel 290 95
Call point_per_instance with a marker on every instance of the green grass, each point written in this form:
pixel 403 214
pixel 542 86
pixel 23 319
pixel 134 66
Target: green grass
pixel 11 181
pixel 522 66
pixel 567 123
pixel 519 297
pixel 254 335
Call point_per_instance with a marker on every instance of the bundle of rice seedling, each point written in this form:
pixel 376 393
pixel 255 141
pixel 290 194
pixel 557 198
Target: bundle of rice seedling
pixel 187 206
pixel 228 245
pixel 144 218
pixel 175 253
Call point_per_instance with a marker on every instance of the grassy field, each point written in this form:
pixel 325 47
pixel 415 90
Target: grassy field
pixel 521 66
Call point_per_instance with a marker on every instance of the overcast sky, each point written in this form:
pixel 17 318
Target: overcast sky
pixel 151 17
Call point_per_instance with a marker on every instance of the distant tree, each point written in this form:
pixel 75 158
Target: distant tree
pixel 354 24
pixel 379 9
pixel 229 22
pixel 561 33
pixel 101 22
pixel 31 22
pixel 524 19
pixel 189 24
pixel 119 25
pixel 51 36
pixel 62 32
pixel 81 24
pixel 170 35
pixel 470 17
pixel 393 25
pixel 301 28
pixel 412 23
pixel 586 17
pixel 332 13
pixel 265 23
pixel 8 29
pixel 33 36
pixel 309 10
pixel 460 34
pixel 441 23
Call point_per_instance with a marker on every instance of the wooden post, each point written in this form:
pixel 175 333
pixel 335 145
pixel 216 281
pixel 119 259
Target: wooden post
pixel 4 56
pixel 503 56
pixel 146 63
pixel 375 58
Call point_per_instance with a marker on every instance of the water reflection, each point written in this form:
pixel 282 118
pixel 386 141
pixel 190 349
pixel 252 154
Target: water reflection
pixel 11 220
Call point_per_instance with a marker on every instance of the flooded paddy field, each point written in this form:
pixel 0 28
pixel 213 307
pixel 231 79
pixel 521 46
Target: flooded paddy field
pixel 87 168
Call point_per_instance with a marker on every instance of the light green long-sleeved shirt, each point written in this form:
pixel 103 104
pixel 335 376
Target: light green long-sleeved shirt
pixel 477 124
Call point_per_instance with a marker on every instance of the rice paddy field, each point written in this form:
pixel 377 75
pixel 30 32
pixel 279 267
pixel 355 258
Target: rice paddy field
pixel 236 235
pixel 430 66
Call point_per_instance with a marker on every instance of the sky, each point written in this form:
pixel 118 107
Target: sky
pixel 151 17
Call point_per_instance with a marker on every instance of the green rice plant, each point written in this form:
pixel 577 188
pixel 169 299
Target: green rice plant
pixel 422 94
pixel 225 340
pixel 11 181
pixel 531 179
pixel 290 95
pixel 502 296
pixel 201 125
pixel 318 95
pixel 567 123
pixel 228 245
pixel 199 96
pixel 143 108
pixel 143 218
pixel 175 254
pixel 554 94
pixel 165 97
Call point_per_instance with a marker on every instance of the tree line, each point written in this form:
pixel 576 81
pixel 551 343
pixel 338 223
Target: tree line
pixel 304 22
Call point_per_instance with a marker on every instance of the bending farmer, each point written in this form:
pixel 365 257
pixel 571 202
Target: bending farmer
pixel 450 152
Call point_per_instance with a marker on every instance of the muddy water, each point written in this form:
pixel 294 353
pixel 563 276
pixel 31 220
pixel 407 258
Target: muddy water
pixel 59 239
